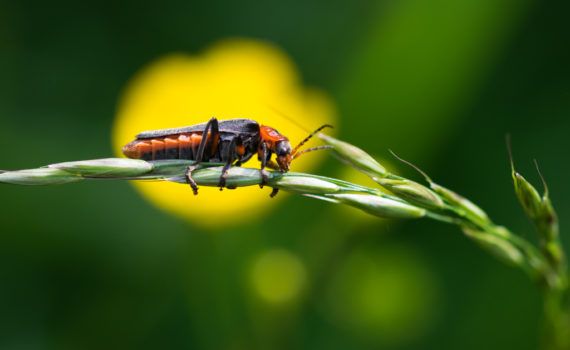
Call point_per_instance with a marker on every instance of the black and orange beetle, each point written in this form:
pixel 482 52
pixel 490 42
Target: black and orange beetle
pixel 231 141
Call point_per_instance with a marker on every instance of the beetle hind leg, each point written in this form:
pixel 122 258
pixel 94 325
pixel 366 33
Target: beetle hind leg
pixel 213 128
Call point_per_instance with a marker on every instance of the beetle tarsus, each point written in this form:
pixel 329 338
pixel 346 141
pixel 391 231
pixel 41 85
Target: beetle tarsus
pixel 264 177
pixel 274 192
pixel 190 180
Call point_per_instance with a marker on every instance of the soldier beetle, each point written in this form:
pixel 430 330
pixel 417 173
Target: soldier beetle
pixel 231 141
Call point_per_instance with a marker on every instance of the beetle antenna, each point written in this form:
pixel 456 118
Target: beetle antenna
pixel 286 117
pixel 311 149
pixel 308 137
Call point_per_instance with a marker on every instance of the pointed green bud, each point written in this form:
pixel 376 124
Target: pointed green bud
pixel 528 196
pixel 38 177
pixel 526 193
pixel 470 210
pixel 547 221
pixel 547 225
pixel 380 206
pixel 355 157
pixel 496 245
pixel 105 168
pixel 541 212
pixel 412 192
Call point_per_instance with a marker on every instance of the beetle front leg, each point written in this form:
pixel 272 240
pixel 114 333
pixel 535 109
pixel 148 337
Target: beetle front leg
pixel 266 162
pixel 272 165
pixel 264 155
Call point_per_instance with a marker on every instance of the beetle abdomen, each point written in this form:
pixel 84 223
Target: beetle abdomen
pixel 183 146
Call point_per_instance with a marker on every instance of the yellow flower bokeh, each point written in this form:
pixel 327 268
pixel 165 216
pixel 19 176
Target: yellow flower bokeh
pixel 278 277
pixel 236 78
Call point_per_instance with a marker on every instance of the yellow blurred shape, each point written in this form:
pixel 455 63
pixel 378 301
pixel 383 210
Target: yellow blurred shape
pixel 278 276
pixel 235 78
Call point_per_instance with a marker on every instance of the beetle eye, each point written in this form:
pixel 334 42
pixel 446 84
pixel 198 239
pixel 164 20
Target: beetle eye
pixel 282 148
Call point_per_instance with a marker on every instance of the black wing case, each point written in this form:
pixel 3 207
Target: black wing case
pixel 235 126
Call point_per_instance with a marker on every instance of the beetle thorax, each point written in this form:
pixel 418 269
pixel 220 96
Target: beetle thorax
pixel 277 144
pixel 270 135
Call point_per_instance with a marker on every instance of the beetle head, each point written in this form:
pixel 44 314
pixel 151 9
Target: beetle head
pixel 283 153
pixel 280 145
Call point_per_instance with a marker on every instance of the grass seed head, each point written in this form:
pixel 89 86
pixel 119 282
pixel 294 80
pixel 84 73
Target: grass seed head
pixel 528 196
pixel 105 168
pixel 497 246
pixel 380 206
pixel 547 221
pixel 355 157
pixel 306 185
pixel 412 192
pixel 38 177
pixel 463 204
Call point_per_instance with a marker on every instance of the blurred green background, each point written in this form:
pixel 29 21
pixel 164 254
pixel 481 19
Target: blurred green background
pixel 92 265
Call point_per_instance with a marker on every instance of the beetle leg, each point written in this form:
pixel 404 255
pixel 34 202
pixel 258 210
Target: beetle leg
pixel 272 165
pixel 232 155
pixel 264 156
pixel 190 180
pixel 211 126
